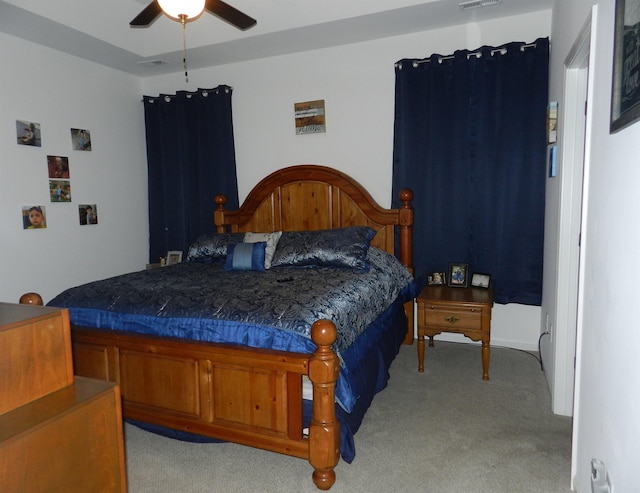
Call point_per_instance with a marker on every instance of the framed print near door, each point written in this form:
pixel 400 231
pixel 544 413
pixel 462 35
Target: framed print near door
pixel 625 86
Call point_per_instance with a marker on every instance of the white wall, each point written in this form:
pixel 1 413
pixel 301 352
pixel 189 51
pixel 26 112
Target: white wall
pixel 357 84
pixel 62 92
pixel 59 92
pixel 607 405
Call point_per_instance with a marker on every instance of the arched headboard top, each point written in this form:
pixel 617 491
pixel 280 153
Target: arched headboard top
pixel 312 197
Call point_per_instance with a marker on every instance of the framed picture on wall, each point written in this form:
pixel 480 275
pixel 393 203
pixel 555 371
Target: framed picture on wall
pixel 625 89
pixel 28 133
pixel 34 217
pixel 80 139
pixel 458 275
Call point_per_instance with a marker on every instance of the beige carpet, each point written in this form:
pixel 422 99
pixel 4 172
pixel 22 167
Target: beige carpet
pixel 443 431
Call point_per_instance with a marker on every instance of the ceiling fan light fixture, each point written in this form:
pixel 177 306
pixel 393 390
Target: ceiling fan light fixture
pixel 175 9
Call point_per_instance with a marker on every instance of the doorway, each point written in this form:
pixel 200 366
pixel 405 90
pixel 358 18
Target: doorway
pixel 573 211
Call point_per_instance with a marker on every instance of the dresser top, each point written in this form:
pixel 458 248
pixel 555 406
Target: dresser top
pixel 11 313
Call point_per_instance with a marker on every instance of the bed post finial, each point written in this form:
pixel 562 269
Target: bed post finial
pixel 31 299
pixel 324 429
pixel 406 228
pixel 218 214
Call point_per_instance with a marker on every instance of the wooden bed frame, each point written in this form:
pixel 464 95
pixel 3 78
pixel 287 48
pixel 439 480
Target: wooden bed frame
pixel 245 395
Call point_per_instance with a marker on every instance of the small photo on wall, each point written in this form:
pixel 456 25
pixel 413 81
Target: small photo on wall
pixel 58 167
pixel 34 217
pixel 60 190
pixel 80 139
pixel 28 133
pixel 88 214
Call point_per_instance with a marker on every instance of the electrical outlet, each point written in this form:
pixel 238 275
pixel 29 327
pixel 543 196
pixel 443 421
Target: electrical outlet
pixel 600 479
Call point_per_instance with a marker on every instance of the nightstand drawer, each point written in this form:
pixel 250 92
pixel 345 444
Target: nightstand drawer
pixel 446 317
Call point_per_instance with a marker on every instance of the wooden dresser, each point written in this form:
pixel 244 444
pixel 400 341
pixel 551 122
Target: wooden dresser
pixel 57 432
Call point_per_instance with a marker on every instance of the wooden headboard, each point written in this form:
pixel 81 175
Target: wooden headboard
pixel 311 197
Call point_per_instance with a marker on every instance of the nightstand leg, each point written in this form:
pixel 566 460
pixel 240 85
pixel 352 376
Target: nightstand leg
pixel 486 350
pixel 420 352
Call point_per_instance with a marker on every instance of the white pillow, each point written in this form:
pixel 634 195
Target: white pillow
pixel 272 241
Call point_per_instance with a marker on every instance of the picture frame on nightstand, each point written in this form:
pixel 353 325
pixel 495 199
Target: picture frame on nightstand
pixel 174 257
pixel 458 276
pixel 479 280
pixel 436 278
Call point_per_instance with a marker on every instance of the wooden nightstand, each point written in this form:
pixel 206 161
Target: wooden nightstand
pixel 466 311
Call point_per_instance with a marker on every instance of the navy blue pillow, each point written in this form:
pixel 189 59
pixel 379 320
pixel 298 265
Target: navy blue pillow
pixel 212 248
pixel 343 247
pixel 246 256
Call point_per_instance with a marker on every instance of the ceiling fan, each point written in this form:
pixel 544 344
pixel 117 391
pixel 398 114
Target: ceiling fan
pixel 185 11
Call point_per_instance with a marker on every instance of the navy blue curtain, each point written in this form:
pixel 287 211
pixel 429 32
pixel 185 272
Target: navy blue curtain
pixel 470 140
pixel 191 159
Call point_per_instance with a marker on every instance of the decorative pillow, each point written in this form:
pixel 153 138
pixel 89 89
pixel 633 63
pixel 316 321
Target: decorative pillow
pixel 344 247
pixel 272 241
pixel 245 256
pixel 212 248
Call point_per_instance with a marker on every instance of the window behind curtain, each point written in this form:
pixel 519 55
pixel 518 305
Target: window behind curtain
pixel 470 140
pixel 191 159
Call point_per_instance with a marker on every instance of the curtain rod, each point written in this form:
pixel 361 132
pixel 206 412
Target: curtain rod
pixel 204 92
pixel 477 53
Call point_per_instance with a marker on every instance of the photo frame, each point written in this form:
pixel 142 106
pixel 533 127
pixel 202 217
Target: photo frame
pixel 34 217
pixel 174 257
pixel 80 139
pixel 625 92
pixel 310 117
pixel 480 280
pixel 88 214
pixel 28 133
pixel 552 122
pixel 436 278
pixel 458 276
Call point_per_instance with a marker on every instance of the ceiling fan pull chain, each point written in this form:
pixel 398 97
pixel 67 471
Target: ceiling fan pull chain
pixel 183 19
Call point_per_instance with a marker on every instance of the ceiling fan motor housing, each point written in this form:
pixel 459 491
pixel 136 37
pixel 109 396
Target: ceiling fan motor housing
pixel 176 9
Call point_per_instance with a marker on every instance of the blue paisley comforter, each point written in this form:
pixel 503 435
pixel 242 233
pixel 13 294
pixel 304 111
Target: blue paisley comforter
pixel 273 309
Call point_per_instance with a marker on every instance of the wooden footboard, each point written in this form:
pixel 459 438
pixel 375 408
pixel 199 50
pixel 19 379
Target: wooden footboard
pixel 243 395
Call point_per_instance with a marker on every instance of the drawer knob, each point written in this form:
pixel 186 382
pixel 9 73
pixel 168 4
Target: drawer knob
pixel 451 319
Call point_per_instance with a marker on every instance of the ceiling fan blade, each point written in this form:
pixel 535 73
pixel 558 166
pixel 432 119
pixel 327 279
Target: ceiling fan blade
pixel 230 14
pixel 147 16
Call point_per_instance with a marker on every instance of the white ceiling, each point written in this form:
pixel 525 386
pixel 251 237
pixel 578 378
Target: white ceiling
pixel 98 30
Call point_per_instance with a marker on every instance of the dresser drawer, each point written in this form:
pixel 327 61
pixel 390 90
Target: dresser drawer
pixel 443 316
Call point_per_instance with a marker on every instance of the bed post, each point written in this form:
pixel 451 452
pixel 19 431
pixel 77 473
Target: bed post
pixel 324 429
pixel 405 222
pixel 31 299
pixel 218 214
